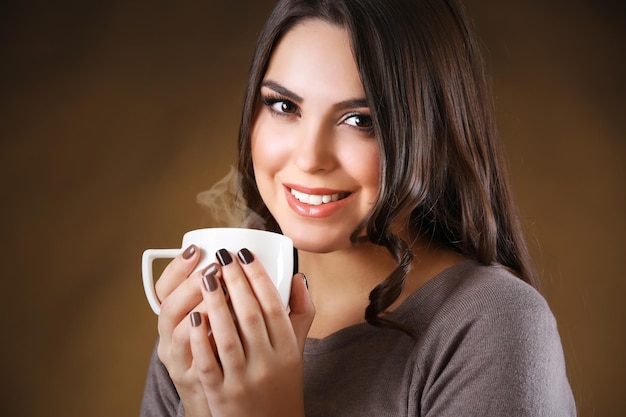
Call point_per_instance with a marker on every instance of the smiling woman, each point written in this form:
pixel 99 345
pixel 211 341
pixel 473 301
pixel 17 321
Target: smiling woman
pixel 315 156
pixel 367 137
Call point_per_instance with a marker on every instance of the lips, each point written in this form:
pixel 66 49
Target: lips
pixel 316 202
pixel 317 199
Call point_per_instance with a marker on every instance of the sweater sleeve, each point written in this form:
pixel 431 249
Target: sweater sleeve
pixel 497 352
pixel 160 398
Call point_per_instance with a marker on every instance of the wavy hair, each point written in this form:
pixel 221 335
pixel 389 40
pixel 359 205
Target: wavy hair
pixel 440 166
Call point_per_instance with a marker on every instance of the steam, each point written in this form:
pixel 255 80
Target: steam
pixel 223 204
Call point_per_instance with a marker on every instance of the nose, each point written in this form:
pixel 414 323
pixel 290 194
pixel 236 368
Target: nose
pixel 315 148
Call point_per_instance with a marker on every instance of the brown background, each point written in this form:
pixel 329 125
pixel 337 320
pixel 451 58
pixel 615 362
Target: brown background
pixel 113 117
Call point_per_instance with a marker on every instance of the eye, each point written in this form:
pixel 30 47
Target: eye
pixel 280 106
pixel 284 106
pixel 360 121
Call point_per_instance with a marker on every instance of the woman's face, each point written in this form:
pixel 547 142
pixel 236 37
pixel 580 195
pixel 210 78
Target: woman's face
pixel 315 156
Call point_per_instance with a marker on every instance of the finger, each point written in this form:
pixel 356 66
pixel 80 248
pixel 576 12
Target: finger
pixel 180 301
pixel 268 299
pixel 224 330
pixel 174 346
pixel 202 350
pixel 177 271
pixel 248 312
pixel 173 343
pixel 302 310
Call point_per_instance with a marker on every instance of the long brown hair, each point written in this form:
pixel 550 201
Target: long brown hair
pixel 441 167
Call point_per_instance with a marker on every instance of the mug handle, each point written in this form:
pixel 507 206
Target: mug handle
pixel 147 259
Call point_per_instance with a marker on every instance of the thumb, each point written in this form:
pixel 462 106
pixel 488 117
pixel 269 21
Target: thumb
pixel 301 308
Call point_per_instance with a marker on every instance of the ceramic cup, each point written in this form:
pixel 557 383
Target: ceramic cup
pixel 274 250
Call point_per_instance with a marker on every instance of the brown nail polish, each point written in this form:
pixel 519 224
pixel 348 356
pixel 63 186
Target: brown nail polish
pixel 246 256
pixel 208 278
pixel 224 257
pixel 188 253
pixel 196 319
pixel 211 269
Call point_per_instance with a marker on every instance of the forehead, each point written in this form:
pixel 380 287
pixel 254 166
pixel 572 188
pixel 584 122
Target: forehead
pixel 314 54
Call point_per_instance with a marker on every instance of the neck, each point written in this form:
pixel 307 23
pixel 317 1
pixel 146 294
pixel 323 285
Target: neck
pixel 349 271
pixel 340 282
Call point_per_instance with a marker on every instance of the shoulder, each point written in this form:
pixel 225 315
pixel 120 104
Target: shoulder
pixel 506 314
pixel 487 339
pixel 469 292
pixel 483 315
pixel 493 292
pixel 496 307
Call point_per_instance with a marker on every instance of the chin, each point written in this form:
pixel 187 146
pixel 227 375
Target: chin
pixel 319 243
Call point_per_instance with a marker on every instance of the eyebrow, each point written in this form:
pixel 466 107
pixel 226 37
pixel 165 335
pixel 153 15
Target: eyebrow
pixel 284 91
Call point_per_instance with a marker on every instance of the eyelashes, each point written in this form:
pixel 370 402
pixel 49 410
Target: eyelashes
pixel 360 121
pixel 283 107
pixel 280 106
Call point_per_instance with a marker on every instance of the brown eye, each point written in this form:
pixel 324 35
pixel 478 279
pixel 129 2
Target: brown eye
pixel 284 106
pixel 361 121
pixel 280 106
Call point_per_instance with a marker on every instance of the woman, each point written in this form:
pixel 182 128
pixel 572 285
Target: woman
pixel 367 137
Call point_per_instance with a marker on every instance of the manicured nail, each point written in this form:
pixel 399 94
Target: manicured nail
pixel 188 253
pixel 196 319
pixel 305 281
pixel 246 256
pixel 208 278
pixel 224 257
pixel 211 269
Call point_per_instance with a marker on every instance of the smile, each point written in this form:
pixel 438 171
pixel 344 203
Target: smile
pixel 317 199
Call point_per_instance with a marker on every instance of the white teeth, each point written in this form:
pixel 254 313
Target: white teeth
pixel 314 199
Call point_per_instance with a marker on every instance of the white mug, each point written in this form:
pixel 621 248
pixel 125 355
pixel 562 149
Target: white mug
pixel 273 250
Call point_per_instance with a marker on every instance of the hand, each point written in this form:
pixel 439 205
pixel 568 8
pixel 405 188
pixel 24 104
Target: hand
pixel 180 293
pixel 256 366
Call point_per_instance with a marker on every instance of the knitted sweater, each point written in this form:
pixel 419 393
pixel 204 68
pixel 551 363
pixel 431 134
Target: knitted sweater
pixel 485 344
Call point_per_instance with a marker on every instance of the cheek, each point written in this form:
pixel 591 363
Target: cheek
pixel 363 163
pixel 372 173
pixel 268 158
pixel 266 150
pixel 265 154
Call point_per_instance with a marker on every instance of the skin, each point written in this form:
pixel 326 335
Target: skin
pixel 312 133
pixel 255 364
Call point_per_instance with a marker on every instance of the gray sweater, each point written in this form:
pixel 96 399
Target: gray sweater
pixel 486 344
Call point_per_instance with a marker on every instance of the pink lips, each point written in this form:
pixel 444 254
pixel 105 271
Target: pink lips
pixel 323 202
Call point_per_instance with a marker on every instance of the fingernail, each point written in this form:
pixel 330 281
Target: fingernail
pixel 224 257
pixel 211 269
pixel 196 319
pixel 246 256
pixel 305 281
pixel 188 253
pixel 208 278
